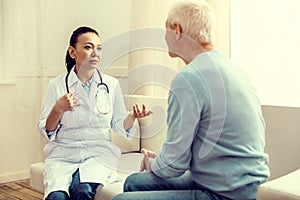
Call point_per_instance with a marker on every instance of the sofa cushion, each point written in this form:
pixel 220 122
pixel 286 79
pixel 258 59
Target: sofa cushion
pixel 128 164
pixel 285 187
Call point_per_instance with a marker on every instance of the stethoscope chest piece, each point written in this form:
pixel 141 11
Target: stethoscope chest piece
pixel 103 99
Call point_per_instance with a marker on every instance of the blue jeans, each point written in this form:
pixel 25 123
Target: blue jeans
pixel 148 186
pixel 78 191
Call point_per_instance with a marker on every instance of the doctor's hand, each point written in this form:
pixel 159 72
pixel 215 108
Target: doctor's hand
pixel 146 162
pixel 67 102
pixel 137 113
pixel 64 103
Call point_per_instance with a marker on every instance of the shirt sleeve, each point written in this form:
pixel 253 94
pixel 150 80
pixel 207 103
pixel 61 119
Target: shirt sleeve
pixel 51 135
pixel 184 113
pixel 119 114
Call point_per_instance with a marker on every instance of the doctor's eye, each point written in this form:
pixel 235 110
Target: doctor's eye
pixel 88 47
pixel 99 48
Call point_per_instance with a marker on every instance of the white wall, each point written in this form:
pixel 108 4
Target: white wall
pixel 265 40
pixel 222 10
pixel 63 17
pixel 1 42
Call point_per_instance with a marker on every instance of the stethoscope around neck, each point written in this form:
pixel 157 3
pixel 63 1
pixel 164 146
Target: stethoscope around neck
pixel 98 85
pixel 102 95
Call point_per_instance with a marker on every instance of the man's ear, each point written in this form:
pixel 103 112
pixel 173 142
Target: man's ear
pixel 71 51
pixel 178 30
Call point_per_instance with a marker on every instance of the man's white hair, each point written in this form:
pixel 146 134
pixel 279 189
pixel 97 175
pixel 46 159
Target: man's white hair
pixel 196 18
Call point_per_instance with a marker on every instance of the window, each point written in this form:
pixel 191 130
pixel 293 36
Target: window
pixel 265 41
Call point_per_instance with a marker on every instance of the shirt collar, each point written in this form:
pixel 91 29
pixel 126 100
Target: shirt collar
pixel 72 79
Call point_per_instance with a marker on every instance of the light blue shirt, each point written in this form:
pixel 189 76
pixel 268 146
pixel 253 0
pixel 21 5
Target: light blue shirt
pixel 87 86
pixel 215 129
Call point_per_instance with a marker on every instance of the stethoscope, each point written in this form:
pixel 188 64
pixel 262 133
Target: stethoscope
pixel 102 95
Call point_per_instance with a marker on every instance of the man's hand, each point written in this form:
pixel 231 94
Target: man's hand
pixel 146 162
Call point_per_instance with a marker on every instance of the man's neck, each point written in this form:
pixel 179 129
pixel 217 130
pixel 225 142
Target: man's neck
pixel 195 50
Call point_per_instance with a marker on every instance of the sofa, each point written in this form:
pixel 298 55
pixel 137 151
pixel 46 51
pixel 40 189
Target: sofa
pixel 282 145
pixel 150 134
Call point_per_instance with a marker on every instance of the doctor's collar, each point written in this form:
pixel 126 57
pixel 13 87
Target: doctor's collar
pixel 73 78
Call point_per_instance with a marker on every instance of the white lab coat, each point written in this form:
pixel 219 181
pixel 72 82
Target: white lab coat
pixel 83 140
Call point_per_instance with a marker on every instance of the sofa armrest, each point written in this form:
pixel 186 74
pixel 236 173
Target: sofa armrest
pixel 36 176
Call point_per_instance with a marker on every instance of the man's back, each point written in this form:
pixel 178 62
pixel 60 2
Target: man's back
pixel 228 148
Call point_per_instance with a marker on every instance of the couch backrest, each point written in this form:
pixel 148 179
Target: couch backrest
pixel 282 139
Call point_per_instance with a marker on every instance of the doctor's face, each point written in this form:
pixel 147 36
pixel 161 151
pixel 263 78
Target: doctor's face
pixel 87 51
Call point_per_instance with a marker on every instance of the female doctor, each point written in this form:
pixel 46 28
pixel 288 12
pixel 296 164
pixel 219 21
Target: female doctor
pixel 79 110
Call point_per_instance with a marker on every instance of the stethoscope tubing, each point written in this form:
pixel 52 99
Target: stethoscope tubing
pixel 101 82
